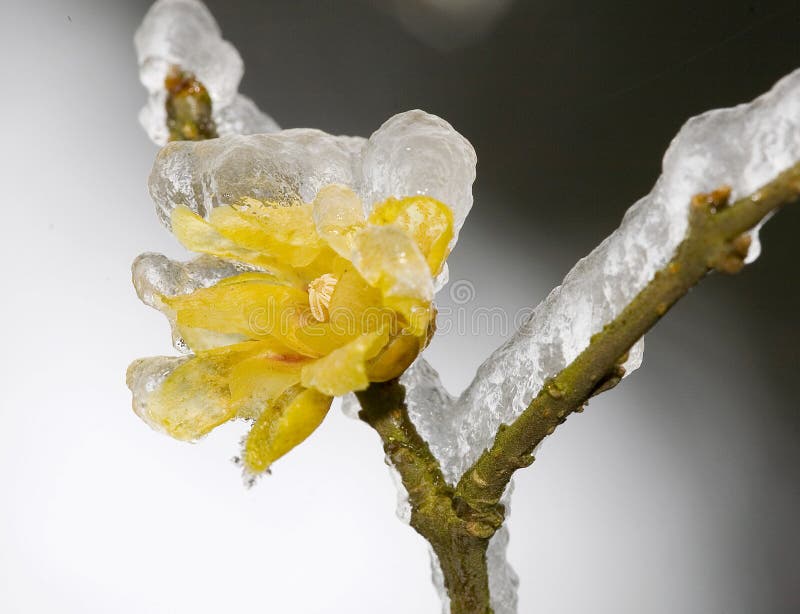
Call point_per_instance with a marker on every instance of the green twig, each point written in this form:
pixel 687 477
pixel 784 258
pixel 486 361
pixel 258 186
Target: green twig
pixel 459 546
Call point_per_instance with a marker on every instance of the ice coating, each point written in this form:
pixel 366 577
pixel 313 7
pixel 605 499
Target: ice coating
pixel 412 153
pixel 428 402
pixel 503 580
pixel 403 509
pixel 437 577
pixel 242 116
pixel 417 153
pixel 743 147
pixel 426 398
pixel 286 167
pixel 381 248
pixel 183 33
pixel 145 376
pixel 155 275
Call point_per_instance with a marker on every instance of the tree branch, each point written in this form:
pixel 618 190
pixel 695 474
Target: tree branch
pixel 460 545
pixel 715 241
pixel 383 408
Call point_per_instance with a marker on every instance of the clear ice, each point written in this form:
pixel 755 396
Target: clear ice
pixel 415 153
pixel 184 33
pixel 155 275
pixel 411 153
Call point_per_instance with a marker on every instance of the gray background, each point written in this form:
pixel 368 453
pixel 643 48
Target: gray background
pixel 675 492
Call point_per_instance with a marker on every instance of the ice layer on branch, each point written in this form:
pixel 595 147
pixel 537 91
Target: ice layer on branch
pixel 743 147
pixel 183 34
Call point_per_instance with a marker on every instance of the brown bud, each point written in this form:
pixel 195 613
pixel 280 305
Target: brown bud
pixel 741 244
pixel 730 264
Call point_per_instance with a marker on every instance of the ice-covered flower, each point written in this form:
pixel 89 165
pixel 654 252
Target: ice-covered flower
pixel 319 255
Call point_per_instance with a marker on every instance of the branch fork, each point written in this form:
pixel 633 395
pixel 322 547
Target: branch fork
pixel 459 520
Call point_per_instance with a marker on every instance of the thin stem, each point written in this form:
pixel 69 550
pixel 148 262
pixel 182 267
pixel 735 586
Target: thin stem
pixel 462 559
pixel 459 544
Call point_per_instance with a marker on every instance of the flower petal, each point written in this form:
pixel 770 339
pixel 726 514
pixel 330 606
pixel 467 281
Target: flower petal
pixel 284 233
pixel 243 305
pixel 259 380
pixel 338 216
pixel 198 235
pixel 344 369
pixel 427 220
pixel 282 426
pixel 187 397
pixel 395 357
pixel 417 153
pixel 144 377
pixel 156 276
pixel 355 306
pixel 389 260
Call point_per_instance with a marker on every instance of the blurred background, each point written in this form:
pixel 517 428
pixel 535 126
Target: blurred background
pixel 676 492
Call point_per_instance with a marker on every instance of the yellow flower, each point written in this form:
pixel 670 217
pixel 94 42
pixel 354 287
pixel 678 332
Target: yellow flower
pixel 291 304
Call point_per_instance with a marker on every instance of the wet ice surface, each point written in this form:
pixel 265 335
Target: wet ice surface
pixel 183 33
pixel 411 153
pixel 144 377
pixel 155 275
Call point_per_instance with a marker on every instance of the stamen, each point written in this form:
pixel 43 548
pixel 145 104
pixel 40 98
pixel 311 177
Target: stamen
pixel 320 292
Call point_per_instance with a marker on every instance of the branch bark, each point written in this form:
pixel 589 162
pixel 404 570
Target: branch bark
pixel 459 545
